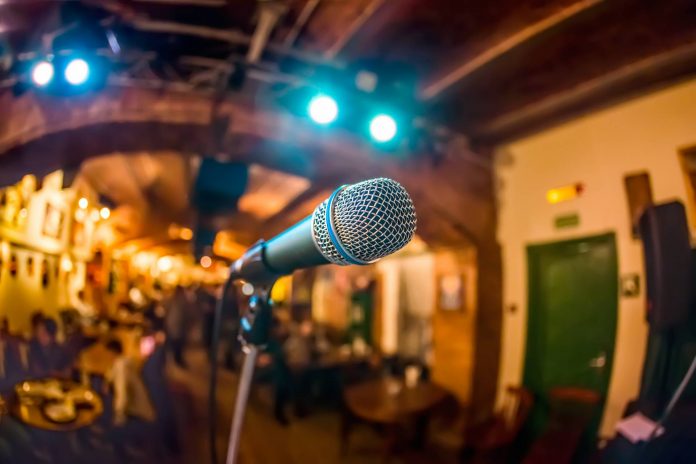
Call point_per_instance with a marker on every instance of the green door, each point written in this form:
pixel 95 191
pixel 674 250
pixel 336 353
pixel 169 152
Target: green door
pixel 573 289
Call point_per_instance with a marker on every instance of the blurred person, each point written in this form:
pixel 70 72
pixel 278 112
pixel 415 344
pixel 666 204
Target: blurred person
pixel 11 368
pixel 46 355
pixel 36 319
pixel 206 302
pixel 130 397
pixel 299 350
pixel 298 346
pixel 133 411
pixel 72 330
pixel 276 369
pixel 154 313
pixel 176 322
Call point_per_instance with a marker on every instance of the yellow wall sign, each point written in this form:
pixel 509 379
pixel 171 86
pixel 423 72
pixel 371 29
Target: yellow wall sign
pixel 565 193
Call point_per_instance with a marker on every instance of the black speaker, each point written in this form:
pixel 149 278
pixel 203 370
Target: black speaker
pixel 219 186
pixel 667 250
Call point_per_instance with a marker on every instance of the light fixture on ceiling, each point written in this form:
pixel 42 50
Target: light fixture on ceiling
pixel 77 71
pixel 383 128
pixel 42 73
pixel 323 109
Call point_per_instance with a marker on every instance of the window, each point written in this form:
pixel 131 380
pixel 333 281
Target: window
pixel 45 275
pixel 13 265
pixel 30 266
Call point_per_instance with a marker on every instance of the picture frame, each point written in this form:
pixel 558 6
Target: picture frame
pixel 53 222
pixel 451 292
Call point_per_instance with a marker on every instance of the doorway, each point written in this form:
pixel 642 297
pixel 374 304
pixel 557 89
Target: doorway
pixel 573 290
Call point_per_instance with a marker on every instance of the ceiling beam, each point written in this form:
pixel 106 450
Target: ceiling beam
pixel 231 36
pixel 608 88
pixel 302 19
pixel 451 76
pixel 354 28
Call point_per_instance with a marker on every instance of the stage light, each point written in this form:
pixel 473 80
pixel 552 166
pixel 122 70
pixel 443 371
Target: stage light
pixel 105 213
pixel 42 73
pixel 206 262
pixel 77 71
pixel 323 109
pixel 83 203
pixel 383 128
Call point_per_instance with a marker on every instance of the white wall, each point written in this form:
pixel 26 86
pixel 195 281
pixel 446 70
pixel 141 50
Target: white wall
pixel 417 274
pixel 598 150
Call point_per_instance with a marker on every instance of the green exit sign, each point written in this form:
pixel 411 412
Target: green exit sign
pixel 566 221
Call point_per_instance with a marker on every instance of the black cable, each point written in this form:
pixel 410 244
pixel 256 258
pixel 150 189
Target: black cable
pixel 212 387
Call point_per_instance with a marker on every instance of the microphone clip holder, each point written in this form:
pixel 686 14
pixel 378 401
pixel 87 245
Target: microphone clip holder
pixel 254 332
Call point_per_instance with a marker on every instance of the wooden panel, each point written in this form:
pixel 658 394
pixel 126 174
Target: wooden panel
pixel 454 333
pixel 639 196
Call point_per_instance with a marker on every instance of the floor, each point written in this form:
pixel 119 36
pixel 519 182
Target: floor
pixel 310 440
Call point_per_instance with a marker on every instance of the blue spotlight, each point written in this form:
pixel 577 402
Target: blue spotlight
pixel 383 128
pixel 323 109
pixel 42 73
pixel 77 71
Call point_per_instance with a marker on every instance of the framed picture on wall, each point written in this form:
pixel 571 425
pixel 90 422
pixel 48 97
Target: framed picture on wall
pixel 53 221
pixel 451 292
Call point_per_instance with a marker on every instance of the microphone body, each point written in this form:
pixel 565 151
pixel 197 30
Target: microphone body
pixel 357 224
pixel 265 261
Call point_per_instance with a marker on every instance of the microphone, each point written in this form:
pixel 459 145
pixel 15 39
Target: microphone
pixel 357 224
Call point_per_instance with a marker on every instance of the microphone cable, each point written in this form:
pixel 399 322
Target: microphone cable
pixel 212 385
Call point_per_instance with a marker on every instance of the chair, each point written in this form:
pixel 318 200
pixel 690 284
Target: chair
pixel 571 411
pixel 500 432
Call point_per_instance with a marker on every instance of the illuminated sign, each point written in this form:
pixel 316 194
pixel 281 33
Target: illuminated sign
pixel 565 193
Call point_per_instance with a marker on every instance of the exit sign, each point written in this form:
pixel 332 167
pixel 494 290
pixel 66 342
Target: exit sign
pixel 566 221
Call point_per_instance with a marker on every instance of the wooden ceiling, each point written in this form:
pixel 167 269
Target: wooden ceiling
pixel 491 70
pixel 481 71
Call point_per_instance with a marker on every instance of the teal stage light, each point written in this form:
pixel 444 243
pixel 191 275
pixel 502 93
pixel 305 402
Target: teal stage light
pixel 42 73
pixel 77 71
pixel 323 109
pixel 383 128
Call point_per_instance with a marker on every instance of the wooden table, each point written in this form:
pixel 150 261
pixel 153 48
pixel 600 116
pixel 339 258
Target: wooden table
pixel 30 400
pixel 332 359
pixel 390 403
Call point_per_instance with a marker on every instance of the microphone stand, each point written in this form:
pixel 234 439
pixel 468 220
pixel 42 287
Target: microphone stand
pixel 254 332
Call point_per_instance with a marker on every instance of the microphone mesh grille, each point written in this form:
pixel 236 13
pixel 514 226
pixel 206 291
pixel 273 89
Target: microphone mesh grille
pixel 372 219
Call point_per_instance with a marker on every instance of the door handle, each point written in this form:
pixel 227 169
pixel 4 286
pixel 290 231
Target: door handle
pixel 599 362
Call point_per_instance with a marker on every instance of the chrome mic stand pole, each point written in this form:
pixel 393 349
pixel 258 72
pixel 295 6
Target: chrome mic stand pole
pixel 253 334
pixel 251 353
